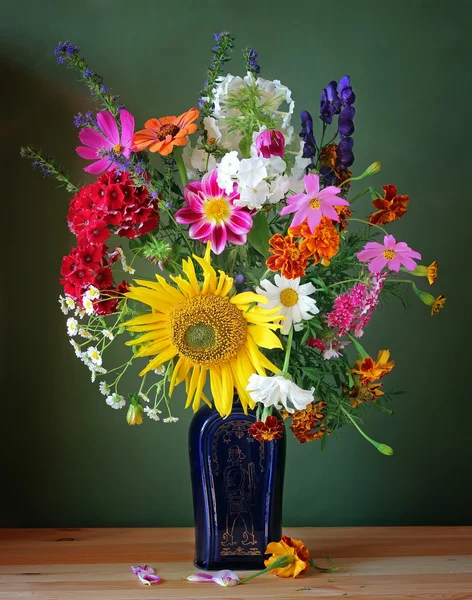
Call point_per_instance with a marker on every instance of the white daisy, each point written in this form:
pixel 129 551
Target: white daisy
pixel 70 303
pixel 108 334
pixel 153 413
pixel 116 401
pixel 76 347
pixel 92 293
pixel 63 305
pixel 94 355
pixel 104 388
pixel 85 334
pixel 293 298
pixel 72 326
pixel 160 370
pixel 279 392
pixel 88 305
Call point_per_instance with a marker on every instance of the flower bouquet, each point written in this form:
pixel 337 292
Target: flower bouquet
pixel 264 278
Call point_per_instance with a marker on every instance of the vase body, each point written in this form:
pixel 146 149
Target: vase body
pixel 237 484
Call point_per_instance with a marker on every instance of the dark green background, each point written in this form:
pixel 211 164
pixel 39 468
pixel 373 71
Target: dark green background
pixel 68 460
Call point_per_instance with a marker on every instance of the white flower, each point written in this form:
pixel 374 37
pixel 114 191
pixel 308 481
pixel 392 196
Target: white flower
pixel 278 188
pixel 70 303
pixel 80 313
pixel 209 123
pixel 76 347
pixel 170 420
pixel 104 388
pixel 160 370
pixel 108 334
pixel 227 170
pixel 63 305
pixel 253 197
pixel 202 161
pixel 94 355
pixel 85 334
pixel 88 305
pixel 293 299
pixel 332 350
pixel 92 293
pixel 116 401
pixel 72 326
pixel 275 165
pixel 128 269
pixel 279 392
pixel 251 171
pixel 143 396
pixel 153 413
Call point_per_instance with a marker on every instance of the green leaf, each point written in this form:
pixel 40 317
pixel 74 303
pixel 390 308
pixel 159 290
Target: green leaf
pixel 245 146
pixel 259 235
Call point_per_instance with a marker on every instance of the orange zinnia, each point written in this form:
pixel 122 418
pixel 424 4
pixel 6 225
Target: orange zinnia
pixel 372 371
pixel 288 257
pixel 322 244
pixel 161 135
pixel 292 548
pixel 390 207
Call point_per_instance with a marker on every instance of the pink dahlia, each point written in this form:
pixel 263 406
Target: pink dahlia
pixel 391 254
pixel 212 215
pixel 314 204
pixel 109 139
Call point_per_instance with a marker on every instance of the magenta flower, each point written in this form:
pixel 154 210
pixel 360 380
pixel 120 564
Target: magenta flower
pixel 109 140
pixel 391 254
pixel 270 143
pixel 146 574
pixel 314 204
pixel 226 578
pixel 212 214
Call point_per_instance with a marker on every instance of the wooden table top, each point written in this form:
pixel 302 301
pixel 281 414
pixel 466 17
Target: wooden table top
pixel 379 563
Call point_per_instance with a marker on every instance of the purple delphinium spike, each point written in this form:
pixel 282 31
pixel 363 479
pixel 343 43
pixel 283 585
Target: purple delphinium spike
pixel 309 147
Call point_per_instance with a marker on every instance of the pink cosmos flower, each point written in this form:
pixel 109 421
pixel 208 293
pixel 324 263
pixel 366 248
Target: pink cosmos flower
pixel 212 215
pixel 109 139
pixel 270 143
pixel 314 204
pixel 226 577
pixel 146 574
pixel 391 254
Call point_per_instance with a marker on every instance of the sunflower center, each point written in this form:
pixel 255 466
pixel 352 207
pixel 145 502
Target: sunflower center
pixel 217 209
pixel 288 297
pixel 166 130
pixel 118 148
pixel 208 329
pixel 314 203
pixel 389 254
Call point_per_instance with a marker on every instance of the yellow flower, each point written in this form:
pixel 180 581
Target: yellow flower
pixel 430 272
pixel 428 299
pixel 438 303
pixel 293 549
pixel 206 332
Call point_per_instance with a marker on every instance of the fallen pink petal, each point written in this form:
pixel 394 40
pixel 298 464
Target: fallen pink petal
pixel 225 578
pixel 146 574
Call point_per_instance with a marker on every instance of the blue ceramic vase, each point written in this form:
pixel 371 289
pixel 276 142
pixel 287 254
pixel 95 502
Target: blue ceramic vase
pixel 237 484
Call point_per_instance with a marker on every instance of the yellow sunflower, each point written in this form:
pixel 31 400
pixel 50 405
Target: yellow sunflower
pixel 205 331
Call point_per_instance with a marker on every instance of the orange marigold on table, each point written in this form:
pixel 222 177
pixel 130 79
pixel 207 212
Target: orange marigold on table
pixel 293 548
pixel 271 429
pixel 390 207
pixel 322 244
pixel 371 370
pixel 161 135
pixel 288 257
pixel 307 425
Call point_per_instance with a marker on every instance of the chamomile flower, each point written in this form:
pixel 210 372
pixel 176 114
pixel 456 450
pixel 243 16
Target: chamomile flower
pixel 94 355
pixel 79 312
pixel 160 370
pixel 85 334
pixel 88 305
pixel 153 413
pixel 104 388
pixel 76 347
pixel 108 334
pixel 70 302
pixel 295 303
pixel 63 305
pixel 143 396
pixel 170 420
pixel 116 401
pixel 92 293
pixel 72 326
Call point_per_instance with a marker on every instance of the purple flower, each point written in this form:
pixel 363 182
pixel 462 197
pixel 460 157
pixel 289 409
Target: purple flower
pixel 239 278
pixel 346 121
pixel 225 578
pixel 345 155
pixel 146 574
pixel 309 148
pixel 251 57
pixel 345 91
pixel 65 49
pixel 330 103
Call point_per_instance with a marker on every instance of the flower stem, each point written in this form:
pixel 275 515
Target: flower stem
pixel 344 281
pixel 180 165
pixel 382 448
pixel 369 224
pixel 288 349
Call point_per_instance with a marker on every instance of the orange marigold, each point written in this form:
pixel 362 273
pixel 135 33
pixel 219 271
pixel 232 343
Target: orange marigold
pixel 307 424
pixel 322 244
pixel 293 548
pixel 344 213
pixel 371 370
pixel 288 257
pixel 390 207
pixel 271 429
pixel 368 392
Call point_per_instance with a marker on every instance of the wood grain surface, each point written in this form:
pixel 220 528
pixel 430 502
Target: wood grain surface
pixel 379 563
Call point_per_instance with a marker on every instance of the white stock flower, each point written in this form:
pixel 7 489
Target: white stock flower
pixel 279 392
pixel 72 326
pixel 116 401
pixel 294 300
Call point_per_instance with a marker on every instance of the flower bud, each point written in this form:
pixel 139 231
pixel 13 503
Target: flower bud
pixel 135 414
pixel 430 272
pixel 428 299
pixel 270 143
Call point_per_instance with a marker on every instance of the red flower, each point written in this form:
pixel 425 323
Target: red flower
pixel 271 429
pixel 95 233
pixel 316 343
pixel 390 207
pixel 91 255
pixel 103 278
